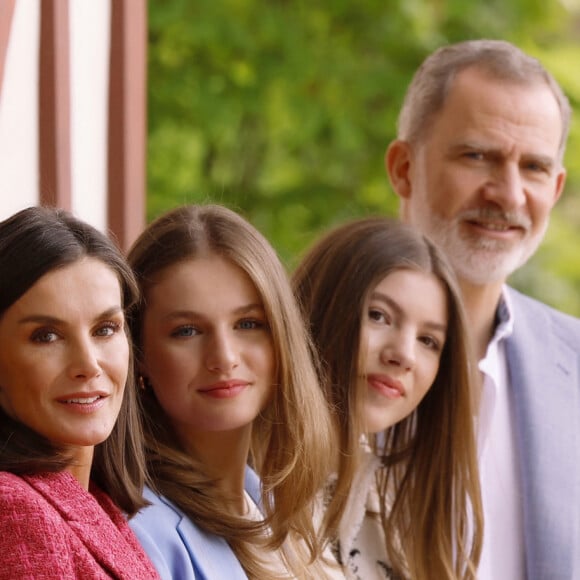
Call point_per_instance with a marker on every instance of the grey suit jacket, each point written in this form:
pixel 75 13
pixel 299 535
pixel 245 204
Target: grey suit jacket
pixel 179 549
pixel 543 357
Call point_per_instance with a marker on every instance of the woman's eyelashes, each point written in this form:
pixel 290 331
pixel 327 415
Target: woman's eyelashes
pixel 44 335
pixel 382 317
pixel 185 331
pixel 430 342
pixel 108 328
pixel 378 315
pixel 47 335
pixel 245 324
pixel 252 324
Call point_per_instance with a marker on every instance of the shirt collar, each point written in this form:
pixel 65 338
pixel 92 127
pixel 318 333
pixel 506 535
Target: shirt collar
pixel 504 316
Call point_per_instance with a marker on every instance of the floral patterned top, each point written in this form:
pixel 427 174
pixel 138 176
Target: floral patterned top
pixel 360 547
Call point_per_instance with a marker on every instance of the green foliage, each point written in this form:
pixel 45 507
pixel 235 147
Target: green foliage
pixel 283 109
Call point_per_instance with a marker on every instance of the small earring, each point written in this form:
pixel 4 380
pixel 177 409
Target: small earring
pixel 142 384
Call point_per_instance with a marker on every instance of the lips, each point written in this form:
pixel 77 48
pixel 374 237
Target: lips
pixel 224 389
pixel 495 227
pixel 497 221
pixel 82 398
pixel 386 386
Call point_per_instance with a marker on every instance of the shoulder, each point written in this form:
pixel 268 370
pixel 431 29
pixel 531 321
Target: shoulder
pixel 536 315
pixel 18 498
pixel 160 509
pixel 178 547
pixel 158 529
pixel 11 482
pixel 31 534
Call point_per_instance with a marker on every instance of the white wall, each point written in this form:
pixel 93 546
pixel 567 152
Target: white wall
pixel 19 112
pixel 89 50
pixel 89 70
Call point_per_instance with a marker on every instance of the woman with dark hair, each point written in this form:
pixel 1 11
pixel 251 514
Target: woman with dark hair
pixel 389 328
pixel 227 384
pixel 70 438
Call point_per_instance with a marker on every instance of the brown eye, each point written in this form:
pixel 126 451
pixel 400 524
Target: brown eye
pixel 44 335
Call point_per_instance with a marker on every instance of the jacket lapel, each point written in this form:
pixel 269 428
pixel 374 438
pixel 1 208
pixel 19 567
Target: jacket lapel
pixel 546 400
pixel 98 525
pixel 211 554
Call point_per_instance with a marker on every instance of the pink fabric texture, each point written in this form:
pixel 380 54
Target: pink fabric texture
pixel 50 527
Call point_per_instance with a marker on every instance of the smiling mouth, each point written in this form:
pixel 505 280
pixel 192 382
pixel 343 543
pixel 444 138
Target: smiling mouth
pixel 83 401
pixel 495 226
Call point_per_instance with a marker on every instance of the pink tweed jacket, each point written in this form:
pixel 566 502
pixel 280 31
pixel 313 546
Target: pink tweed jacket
pixel 50 527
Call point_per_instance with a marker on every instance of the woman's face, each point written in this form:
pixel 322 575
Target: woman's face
pixel 403 332
pixel 207 347
pixel 64 355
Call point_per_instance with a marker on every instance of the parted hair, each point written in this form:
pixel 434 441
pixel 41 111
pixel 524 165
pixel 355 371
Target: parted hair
pixel 499 59
pixel 34 242
pixel 428 483
pixel 291 438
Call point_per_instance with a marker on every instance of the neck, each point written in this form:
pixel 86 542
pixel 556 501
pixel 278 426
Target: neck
pixel 480 305
pixel 224 455
pixel 80 466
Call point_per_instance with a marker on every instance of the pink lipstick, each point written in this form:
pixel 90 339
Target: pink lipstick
pixel 224 389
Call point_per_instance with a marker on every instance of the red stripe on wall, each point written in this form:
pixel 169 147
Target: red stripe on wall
pixel 127 119
pixel 54 105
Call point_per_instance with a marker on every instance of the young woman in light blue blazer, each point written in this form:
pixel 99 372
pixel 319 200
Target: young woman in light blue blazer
pixel 238 433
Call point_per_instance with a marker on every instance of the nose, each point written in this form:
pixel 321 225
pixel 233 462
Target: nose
pixel 506 188
pixel 84 361
pixel 222 352
pixel 400 351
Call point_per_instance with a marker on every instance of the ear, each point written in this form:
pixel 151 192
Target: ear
pixel 398 165
pixel 560 182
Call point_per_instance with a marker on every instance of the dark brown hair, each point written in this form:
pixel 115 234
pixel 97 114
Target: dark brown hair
pixel 429 458
pixel 33 242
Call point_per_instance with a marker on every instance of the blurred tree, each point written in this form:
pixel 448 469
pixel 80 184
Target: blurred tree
pixel 283 109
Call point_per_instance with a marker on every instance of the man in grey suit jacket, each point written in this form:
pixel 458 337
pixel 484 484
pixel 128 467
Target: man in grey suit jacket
pixel 477 165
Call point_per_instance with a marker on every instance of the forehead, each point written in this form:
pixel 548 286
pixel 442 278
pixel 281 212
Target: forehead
pixel 82 286
pixel 481 107
pixel 418 294
pixel 212 276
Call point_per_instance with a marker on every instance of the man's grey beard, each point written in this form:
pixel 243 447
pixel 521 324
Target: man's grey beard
pixel 478 260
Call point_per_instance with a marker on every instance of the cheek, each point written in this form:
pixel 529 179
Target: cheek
pixel 427 377
pixel 262 360
pixel 170 364
pixel 117 357
pixel 540 208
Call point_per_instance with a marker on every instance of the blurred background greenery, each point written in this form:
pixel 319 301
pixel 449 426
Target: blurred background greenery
pixel 282 109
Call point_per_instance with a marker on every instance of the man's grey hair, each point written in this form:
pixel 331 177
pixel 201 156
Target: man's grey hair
pixel 499 59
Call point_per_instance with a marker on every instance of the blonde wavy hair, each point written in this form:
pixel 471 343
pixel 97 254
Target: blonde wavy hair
pixel 291 438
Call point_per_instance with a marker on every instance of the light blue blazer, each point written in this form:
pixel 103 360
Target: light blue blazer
pixel 179 549
pixel 543 356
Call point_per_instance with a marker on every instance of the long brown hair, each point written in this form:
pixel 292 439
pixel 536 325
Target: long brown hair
pixel 33 242
pixel 429 458
pixel 290 438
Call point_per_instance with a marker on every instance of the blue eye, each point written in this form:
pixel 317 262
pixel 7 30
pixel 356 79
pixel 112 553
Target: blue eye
pixel 251 324
pixel 185 332
pixel 107 329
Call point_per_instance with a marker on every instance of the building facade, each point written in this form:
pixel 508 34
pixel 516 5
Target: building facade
pixel 73 110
